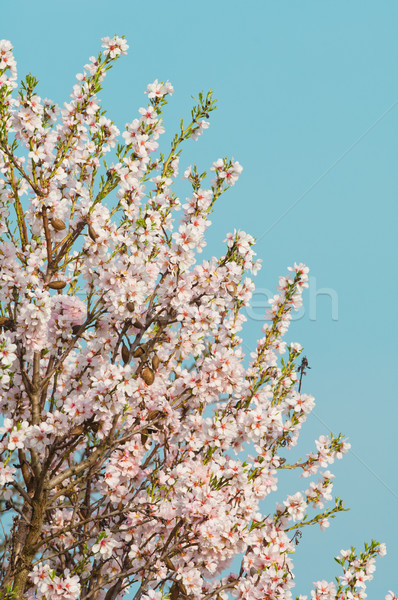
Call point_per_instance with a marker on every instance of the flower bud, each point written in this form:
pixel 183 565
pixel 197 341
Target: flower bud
pixel 169 564
pixel 130 306
pixel 139 352
pixel 153 414
pixel 58 224
pixel 125 353
pixel 92 233
pixel 148 375
pixel 57 285
pixel 78 430
pixel 174 591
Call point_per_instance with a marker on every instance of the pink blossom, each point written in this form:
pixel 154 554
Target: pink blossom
pixel 159 89
pixel 296 506
pixel 105 545
pixel 114 46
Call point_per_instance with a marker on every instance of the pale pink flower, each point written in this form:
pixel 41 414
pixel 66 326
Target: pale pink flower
pixel 296 506
pixel 106 545
pixel 114 46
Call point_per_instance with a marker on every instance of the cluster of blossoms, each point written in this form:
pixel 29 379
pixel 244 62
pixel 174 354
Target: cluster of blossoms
pixel 357 571
pixel 7 360
pixel 8 66
pixel 48 584
pixel 137 449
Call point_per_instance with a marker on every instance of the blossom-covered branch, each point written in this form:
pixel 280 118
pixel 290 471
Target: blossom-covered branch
pixel 138 447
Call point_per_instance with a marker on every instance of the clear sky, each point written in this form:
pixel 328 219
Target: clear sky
pixel 308 104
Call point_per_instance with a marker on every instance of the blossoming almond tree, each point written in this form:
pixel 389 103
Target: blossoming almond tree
pixel 136 448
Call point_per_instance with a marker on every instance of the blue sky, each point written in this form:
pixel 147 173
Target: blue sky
pixel 308 104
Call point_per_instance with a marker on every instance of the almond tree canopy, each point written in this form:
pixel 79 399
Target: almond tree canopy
pixel 137 444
